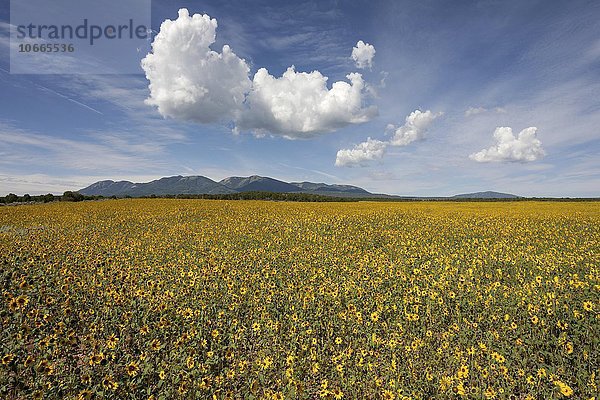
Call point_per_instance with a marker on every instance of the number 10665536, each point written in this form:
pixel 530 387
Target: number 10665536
pixel 46 48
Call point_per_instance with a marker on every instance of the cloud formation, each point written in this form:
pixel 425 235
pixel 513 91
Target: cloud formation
pixel 190 81
pixel 414 128
pixel 299 104
pixel 366 151
pixel 525 147
pixel 363 54
pixel 480 110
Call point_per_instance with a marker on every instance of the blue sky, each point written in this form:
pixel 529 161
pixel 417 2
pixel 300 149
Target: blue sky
pixel 475 65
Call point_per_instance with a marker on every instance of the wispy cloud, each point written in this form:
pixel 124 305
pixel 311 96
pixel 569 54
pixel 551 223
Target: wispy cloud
pixel 49 151
pixel 334 178
pixel 35 184
pixel 480 110
pixel 47 89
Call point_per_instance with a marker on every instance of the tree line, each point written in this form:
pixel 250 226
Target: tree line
pixel 76 196
pixel 272 196
pixel 12 198
pixel 269 196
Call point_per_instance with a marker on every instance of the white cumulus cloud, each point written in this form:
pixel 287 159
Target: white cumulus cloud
pixel 363 54
pixel 299 104
pixel 414 128
pixel 525 147
pixel 366 151
pixel 190 81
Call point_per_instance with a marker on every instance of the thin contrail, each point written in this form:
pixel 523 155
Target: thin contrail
pixel 67 98
pixel 42 87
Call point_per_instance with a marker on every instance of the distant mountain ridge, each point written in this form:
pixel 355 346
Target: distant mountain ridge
pixel 257 183
pixel 202 185
pixel 325 188
pixel 198 184
pixel 163 186
pixel 486 195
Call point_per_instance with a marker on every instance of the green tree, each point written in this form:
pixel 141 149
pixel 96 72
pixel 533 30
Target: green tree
pixel 11 198
pixel 72 196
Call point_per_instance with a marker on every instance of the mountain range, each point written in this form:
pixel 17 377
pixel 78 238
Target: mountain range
pixel 485 195
pixel 175 185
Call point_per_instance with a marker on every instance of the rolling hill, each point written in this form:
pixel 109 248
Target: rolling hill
pixel 485 195
pixel 169 185
pixel 175 185
pixel 325 188
pixel 257 183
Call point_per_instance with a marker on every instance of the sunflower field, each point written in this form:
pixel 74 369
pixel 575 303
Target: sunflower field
pixel 201 299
